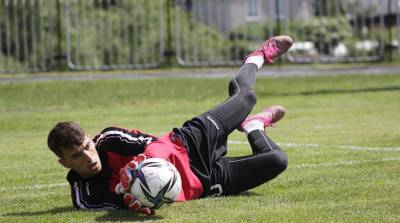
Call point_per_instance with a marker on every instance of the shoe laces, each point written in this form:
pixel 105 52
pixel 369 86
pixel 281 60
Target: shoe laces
pixel 267 117
pixel 271 50
pixel 270 117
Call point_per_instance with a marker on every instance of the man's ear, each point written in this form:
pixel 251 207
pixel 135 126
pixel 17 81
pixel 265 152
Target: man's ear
pixel 62 162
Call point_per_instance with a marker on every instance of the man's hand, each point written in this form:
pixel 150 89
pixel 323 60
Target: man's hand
pixel 136 206
pixel 123 187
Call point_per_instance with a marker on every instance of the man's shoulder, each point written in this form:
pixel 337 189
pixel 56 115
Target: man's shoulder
pixel 72 177
pixel 108 130
pixel 113 128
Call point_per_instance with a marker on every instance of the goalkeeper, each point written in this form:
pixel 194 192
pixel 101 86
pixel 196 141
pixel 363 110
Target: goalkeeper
pixel 101 165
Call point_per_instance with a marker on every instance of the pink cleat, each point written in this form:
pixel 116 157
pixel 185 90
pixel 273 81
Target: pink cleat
pixel 273 48
pixel 269 116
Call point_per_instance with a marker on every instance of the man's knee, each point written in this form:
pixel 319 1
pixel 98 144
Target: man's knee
pixel 251 97
pixel 247 98
pixel 280 160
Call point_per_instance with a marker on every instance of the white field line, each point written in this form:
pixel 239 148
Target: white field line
pixel 293 145
pixel 32 187
pixel 300 166
pixel 343 163
pixel 23 195
pixel 350 147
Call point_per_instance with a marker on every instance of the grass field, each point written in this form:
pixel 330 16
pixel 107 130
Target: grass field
pixel 341 133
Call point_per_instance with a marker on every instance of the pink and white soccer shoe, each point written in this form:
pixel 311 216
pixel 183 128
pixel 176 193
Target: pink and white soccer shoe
pixel 269 116
pixel 273 48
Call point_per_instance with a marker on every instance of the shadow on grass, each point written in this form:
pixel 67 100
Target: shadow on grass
pixel 124 215
pixel 332 91
pixel 114 215
pixel 247 194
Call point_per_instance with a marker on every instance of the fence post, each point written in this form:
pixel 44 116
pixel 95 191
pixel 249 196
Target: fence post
pixel 278 19
pixel 389 25
pixel 278 26
pixel 59 57
pixel 169 53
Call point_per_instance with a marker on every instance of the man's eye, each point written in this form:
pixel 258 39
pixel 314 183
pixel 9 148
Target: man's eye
pixel 88 146
pixel 76 156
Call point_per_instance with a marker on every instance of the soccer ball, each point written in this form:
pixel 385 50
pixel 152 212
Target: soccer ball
pixel 155 182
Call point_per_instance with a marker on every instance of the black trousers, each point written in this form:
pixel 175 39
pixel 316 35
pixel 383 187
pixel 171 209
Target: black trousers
pixel 205 138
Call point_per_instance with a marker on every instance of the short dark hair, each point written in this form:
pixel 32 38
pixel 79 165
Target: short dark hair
pixel 66 135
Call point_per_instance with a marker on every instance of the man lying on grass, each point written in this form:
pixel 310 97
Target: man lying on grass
pixel 197 149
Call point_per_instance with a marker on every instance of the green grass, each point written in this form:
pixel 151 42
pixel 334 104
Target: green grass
pixel 327 179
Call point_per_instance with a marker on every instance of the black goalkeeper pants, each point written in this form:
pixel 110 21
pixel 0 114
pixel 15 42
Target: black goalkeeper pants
pixel 205 138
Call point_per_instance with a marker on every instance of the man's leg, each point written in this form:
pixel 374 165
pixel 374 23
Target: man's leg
pixel 209 131
pixel 238 174
pixel 205 136
pixel 267 161
pixel 241 88
pixel 242 99
pixel 251 171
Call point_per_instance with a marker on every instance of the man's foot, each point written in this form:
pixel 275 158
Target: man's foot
pixel 268 117
pixel 272 48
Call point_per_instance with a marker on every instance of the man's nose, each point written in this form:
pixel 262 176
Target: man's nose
pixel 88 156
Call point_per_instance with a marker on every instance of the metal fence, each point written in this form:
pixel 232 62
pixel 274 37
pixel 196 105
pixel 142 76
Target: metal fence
pixel 114 34
pixel 339 31
pixel 325 31
pixel 204 35
pixel 27 35
pixel 40 35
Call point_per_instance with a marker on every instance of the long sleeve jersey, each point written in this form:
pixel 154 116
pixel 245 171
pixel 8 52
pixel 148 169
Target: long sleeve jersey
pixel 116 148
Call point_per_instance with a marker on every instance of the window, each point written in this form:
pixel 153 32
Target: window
pixel 253 10
pixel 282 9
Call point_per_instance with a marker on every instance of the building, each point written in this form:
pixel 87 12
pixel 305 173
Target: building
pixel 229 14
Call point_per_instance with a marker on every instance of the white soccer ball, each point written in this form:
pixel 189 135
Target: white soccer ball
pixel 156 182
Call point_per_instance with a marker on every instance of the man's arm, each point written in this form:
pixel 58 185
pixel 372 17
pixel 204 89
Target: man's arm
pixel 122 141
pixel 94 195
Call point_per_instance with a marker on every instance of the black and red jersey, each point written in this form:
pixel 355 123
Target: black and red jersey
pixel 171 148
pixel 116 147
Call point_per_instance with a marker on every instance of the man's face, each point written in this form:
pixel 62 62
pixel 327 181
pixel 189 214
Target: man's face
pixel 83 159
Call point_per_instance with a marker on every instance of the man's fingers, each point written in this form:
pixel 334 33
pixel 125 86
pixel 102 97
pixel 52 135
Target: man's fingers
pixel 131 203
pixel 132 165
pixel 146 211
pixel 119 189
pixel 128 198
pixel 152 212
pixel 135 205
pixel 140 158
pixel 125 178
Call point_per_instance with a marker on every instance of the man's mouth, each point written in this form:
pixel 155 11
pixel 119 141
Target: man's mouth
pixel 93 166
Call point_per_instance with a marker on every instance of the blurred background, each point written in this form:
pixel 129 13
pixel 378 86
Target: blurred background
pixel 94 62
pixel 40 35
